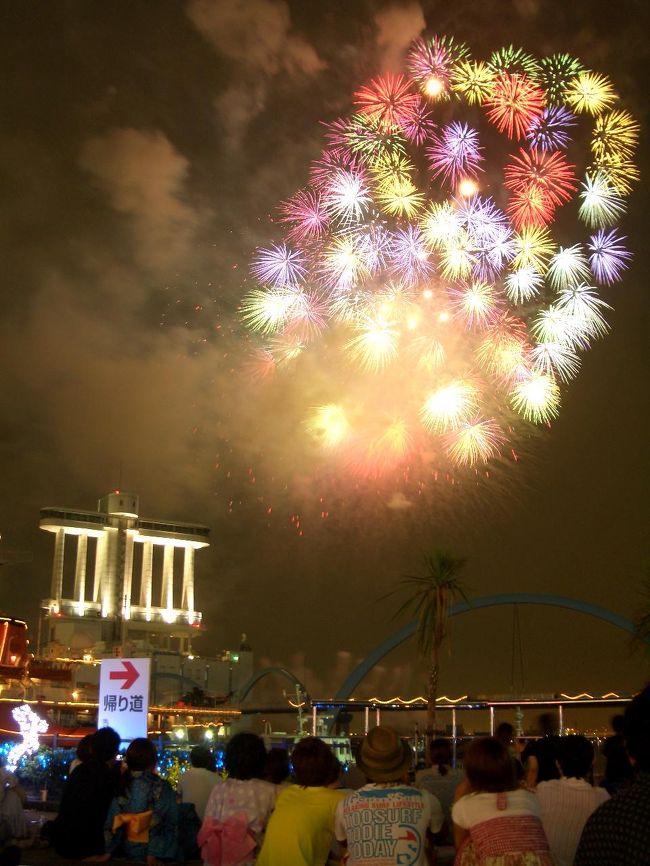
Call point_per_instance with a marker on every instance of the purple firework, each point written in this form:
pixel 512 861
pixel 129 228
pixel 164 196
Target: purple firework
pixel 490 234
pixel 550 131
pixel 608 258
pixel 279 266
pixel 409 255
pixel 306 213
pixel 456 152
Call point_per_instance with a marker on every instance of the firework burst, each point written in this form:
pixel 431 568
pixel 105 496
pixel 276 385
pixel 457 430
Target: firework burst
pixel 432 314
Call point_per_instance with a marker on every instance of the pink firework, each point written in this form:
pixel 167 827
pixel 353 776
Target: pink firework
pixel 388 99
pixel 516 103
pixel 418 127
pixel 325 168
pixel 435 58
pixel 305 213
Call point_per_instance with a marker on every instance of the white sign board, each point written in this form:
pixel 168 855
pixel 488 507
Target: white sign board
pixel 124 696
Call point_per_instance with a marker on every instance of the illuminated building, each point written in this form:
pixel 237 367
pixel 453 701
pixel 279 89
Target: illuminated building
pixel 120 580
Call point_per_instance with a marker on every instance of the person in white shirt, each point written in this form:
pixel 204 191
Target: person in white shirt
pixel 388 820
pixel 196 784
pixel 567 802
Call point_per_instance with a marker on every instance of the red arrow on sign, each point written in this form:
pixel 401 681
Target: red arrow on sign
pixel 130 674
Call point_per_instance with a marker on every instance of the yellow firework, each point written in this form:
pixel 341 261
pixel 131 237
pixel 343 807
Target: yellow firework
pixel 457 258
pixel 376 344
pixel 615 134
pixel 343 262
pixel 533 246
pixel 440 225
pixel 329 425
pixel 394 442
pixel 391 165
pixel 399 197
pixel 474 80
pixel 475 442
pixel 619 171
pixel 590 92
pixel 429 352
pixel 502 355
pixel 450 406
pixel 267 310
pixel 476 302
pixel 536 397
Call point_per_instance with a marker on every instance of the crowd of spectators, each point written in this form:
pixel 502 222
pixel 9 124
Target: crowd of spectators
pixel 538 807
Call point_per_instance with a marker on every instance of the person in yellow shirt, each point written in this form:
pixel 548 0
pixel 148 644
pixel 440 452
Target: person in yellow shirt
pixel 300 831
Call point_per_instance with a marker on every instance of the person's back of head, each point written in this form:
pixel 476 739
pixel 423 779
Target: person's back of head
pixel 505 733
pixel 201 757
pixel 441 755
pixel 105 744
pixel 85 748
pixel 314 763
pixel 245 756
pixel 141 755
pixel 618 723
pixel 488 766
pixel 636 730
pixel 276 768
pixel 547 724
pixel 575 755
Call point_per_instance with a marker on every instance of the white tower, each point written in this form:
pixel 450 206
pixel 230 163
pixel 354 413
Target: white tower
pixel 119 558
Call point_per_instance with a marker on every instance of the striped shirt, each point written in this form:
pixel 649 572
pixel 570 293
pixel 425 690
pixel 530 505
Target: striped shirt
pixel 565 805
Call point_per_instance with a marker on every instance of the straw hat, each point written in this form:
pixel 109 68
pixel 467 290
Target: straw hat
pixel 383 756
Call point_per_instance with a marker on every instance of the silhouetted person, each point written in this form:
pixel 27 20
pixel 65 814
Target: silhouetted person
pixel 505 733
pixel 539 757
pixel 618 769
pixel 276 767
pixel 618 833
pixel 78 831
pixel 84 751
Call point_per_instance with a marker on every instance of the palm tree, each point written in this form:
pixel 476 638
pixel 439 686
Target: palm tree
pixel 642 621
pixel 430 598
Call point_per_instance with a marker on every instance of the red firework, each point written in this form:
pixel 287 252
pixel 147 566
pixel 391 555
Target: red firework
pixel 514 104
pixel 389 100
pixel 530 207
pixel 538 169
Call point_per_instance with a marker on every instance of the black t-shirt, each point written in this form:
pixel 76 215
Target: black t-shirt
pixel 545 750
pixel 79 827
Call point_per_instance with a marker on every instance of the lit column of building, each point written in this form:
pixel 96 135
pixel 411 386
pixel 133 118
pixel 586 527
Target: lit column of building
pixel 187 602
pixel 80 573
pixel 100 565
pixel 57 566
pixel 110 582
pixel 146 580
pixel 128 574
pixel 167 595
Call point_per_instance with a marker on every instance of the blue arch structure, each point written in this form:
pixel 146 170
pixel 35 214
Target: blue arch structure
pixel 248 685
pixel 394 640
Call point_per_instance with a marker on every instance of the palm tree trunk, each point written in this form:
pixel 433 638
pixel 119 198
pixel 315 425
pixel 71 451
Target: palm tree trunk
pixel 432 695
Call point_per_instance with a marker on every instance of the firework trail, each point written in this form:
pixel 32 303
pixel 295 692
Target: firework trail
pixel 442 268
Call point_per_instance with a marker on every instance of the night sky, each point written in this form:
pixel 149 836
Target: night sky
pixel 143 146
